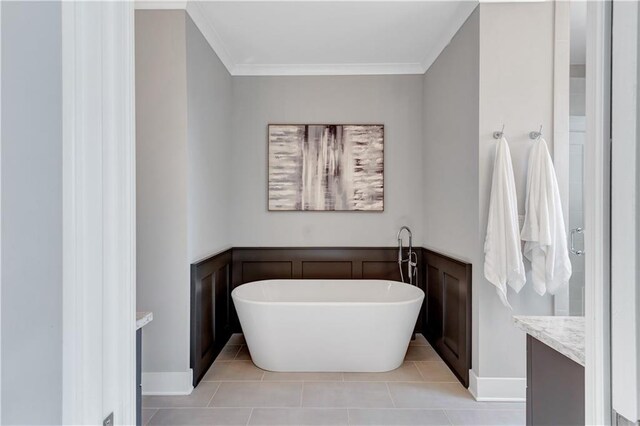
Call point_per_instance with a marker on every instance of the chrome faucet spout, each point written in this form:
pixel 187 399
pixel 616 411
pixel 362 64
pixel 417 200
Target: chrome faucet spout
pixel 405 228
pixel 410 263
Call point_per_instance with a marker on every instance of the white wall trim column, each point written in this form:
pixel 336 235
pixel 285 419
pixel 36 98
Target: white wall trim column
pixel 0 213
pixel 597 215
pixel 98 212
pixel 625 295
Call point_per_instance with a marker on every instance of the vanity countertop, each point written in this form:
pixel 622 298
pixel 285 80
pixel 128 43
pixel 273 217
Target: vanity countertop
pixel 143 318
pixel 564 334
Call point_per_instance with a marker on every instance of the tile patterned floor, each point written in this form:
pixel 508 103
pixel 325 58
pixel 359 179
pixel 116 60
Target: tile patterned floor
pixel 423 391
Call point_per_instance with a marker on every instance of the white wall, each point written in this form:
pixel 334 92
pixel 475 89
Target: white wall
pixel 395 101
pixel 31 213
pixel 209 140
pixel 183 119
pixel 516 88
pixel 161 151
pixel 498 69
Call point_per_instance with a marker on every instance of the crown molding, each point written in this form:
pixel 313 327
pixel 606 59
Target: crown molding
pixel 204 24
pixel 326 69
pixel 160 4
pixel 465 9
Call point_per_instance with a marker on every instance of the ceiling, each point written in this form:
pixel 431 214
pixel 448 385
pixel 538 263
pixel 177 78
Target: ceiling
pixel 327 37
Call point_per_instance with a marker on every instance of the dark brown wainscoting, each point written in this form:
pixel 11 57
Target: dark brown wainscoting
pixel 210 311
pixel 445 318
pixel 448 310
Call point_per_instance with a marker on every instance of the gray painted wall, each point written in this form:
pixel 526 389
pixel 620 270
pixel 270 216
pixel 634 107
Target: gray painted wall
pixel 482 79
pixel 516 88
pixel 395 101
pixel 31 213
pixel 209 101
pixel 450 157
pixel 161 151
pixel 183 119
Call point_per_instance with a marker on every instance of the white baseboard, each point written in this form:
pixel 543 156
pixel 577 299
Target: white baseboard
pixel 167 383
pixel 507 389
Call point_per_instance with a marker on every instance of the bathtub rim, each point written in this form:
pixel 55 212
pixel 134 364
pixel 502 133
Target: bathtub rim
pixel 420 299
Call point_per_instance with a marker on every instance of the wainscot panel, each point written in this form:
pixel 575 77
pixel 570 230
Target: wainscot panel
pixel 210 311
pixel 448 316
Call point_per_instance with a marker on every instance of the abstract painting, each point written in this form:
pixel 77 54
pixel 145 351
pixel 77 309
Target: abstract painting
pixel 326 167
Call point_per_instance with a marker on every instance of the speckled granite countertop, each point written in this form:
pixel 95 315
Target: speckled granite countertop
pixel 143 318
pixel 564 334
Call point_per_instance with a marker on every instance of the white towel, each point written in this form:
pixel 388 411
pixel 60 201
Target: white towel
pixel 543 231
pixel 503 256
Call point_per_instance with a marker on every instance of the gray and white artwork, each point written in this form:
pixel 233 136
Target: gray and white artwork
pixel 326 167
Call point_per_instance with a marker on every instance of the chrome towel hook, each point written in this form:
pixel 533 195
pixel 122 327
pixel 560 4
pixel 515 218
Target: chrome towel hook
pixel 536 135
pixel 499 134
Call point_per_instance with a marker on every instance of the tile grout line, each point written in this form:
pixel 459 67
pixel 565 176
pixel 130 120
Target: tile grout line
pixel 447 416
pixel 237 352
pixel 415 364
pixel 390 397
pixel 214 394
pixel 250 415
pixel 152 416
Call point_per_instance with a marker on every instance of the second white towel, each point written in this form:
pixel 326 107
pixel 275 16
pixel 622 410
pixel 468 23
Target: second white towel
pixel 543 231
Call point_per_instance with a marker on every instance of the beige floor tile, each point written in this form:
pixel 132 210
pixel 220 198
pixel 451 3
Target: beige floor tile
pixel 433 395
pixel 258 394
pixel 435 371
pixel 200 397
pixel 147 413
pixel 346 395
pixel 420 340
pixel 299 377
pixel 299 416
pixel 236 339
pixel 228 353
pixel 233 370
pixel 201 416
pixel 243 353
pixel 421 353
pixel 407 372
pixel 487 417
pixel 393 417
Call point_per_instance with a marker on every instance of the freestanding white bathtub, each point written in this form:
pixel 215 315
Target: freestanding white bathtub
pixel 327 325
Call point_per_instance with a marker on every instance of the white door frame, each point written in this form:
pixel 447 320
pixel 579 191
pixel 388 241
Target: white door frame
pixel 597 215
pixel 98 212
pixel 625 232
pixel 0 214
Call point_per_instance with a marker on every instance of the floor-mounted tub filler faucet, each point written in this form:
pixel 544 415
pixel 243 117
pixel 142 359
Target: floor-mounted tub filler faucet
pixel 412 257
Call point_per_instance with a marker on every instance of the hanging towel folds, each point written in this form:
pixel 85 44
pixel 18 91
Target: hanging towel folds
pixel 503 257
pixel 543 231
